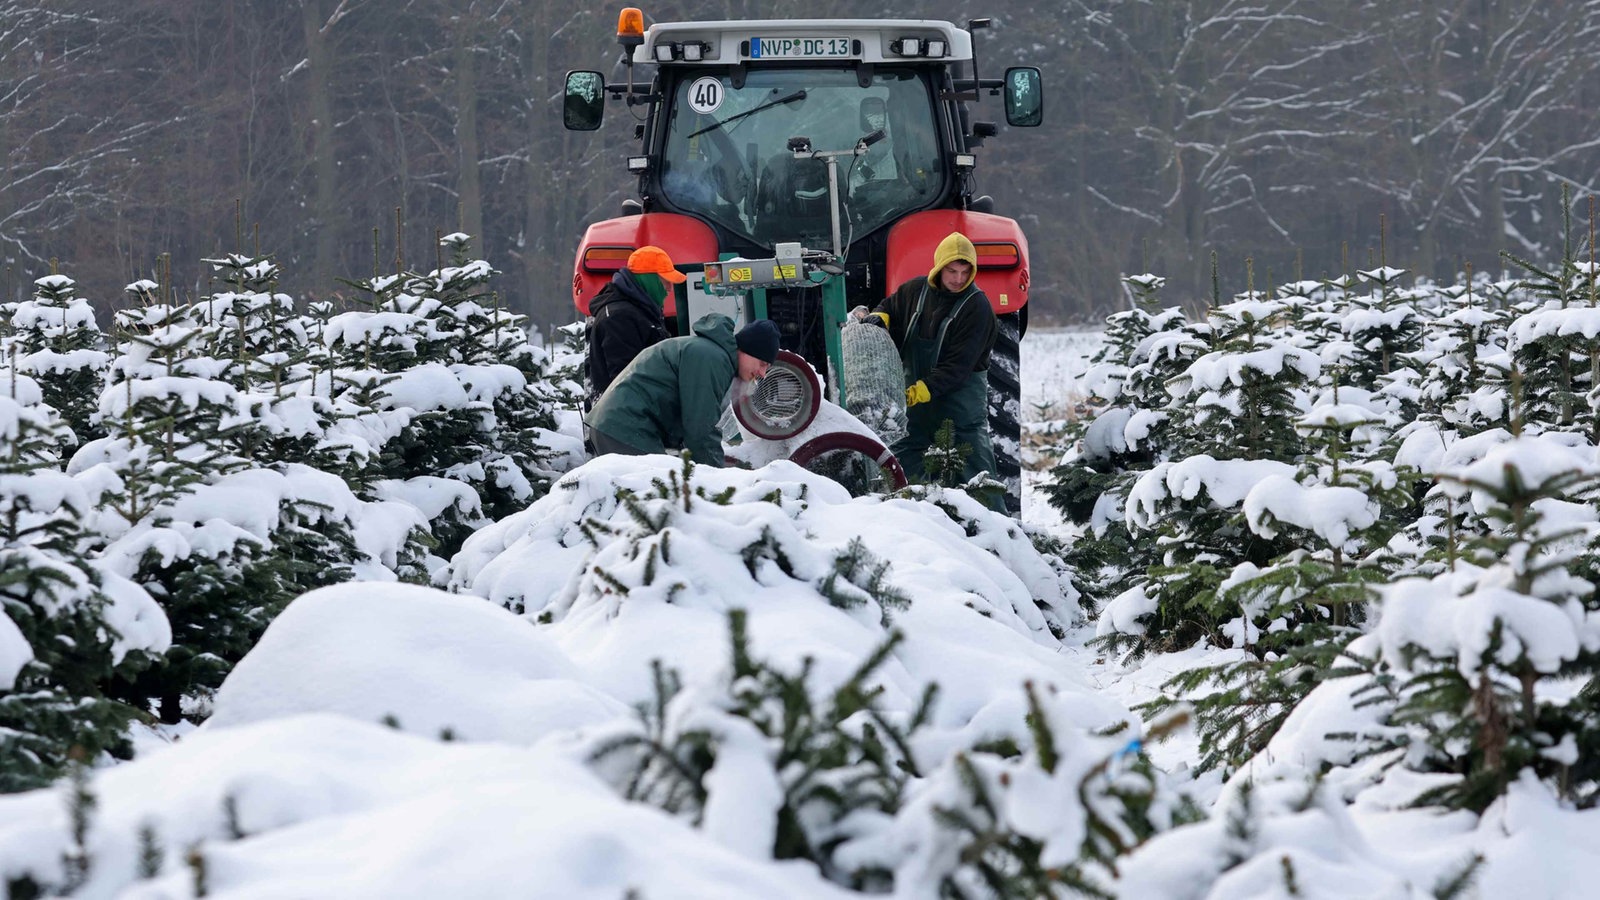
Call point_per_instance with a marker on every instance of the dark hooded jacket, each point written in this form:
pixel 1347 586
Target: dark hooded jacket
pixel 672 395
pixel 971 337
pixel 623 320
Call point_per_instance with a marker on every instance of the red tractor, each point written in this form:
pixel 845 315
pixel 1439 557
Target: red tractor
pixel 815 164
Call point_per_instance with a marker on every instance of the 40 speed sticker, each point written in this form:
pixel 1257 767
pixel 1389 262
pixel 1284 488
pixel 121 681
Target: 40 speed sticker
pixel 705 94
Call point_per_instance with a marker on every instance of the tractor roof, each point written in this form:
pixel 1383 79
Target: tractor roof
pixel 769 41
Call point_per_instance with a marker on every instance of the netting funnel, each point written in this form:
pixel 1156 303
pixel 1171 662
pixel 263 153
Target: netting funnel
pixel 783 403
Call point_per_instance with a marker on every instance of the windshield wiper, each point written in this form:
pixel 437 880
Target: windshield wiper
pixel 797 95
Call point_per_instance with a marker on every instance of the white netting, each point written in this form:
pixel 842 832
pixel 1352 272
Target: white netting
pixel 874 381
pixel 728 424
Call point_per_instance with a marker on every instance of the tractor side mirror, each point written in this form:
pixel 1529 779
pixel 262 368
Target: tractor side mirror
pixel 584 103
pixel 1024 97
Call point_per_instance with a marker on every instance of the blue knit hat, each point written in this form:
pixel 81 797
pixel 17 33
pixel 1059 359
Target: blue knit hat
pixel 759 339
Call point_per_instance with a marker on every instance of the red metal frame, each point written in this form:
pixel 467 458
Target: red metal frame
pixel 854 441
pixel 910 251
pixel 686 240
pixel 913 239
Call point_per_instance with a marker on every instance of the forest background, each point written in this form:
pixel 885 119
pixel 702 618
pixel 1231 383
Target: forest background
pixel 1308 137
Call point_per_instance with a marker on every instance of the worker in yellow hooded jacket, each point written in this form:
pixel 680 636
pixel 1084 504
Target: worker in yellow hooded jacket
pixel 945 329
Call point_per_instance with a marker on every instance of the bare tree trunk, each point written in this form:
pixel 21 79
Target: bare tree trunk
pixel 470 190
pixel 540 282
pixel 325 218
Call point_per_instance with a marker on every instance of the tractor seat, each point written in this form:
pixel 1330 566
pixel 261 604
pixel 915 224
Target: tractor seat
pixel 792 199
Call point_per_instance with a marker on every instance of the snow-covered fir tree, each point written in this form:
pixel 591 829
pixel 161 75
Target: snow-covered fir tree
pixel 221 540
pixel 1485 656
pixel 273 361
pixel 54 337
pixel 1384 324
pixel 1296 613
pixel 1466 386
pixel 1130 430
pixel 451 379
pixel 67 627
pixel 1230 418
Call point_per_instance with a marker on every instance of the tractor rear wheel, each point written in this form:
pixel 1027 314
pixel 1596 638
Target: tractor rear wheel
pixel 1005 405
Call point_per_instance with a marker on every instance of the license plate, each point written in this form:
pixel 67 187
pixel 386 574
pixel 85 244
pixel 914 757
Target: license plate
pixel 799 47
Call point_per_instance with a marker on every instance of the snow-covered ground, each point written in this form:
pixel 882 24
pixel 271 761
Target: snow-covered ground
pixel 394 741
pixel 1053 360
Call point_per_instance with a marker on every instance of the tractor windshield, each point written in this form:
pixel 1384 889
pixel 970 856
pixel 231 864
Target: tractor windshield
pixel 726 156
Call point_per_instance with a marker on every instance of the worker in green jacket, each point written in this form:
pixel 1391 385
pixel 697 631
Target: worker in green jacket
pixel 672 394
pixel 945 329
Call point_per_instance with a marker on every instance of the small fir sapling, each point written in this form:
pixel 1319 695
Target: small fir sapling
pixel 944 462
pixel 1240 400
pixel 565 367
pixel 1231 412
pixel 1384 324
pixel 1052 812
pixel 1126 380
pixel 274 362
pixel 829 759
pixel 1128 432
pixel 1570 282
pixel 177 429
pixel 1556 346
pixel 455 377
pixel 170 427
pixel 1465 365
pixel 859 577
pixel 251 325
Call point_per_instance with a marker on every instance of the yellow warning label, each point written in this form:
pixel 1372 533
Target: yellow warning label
pixel 784 271
pixel 744 274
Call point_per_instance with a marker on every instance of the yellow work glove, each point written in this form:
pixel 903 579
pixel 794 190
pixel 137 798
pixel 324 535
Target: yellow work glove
pixel 917 393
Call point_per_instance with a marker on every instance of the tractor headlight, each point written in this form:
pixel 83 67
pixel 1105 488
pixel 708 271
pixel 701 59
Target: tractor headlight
pixel 926 47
